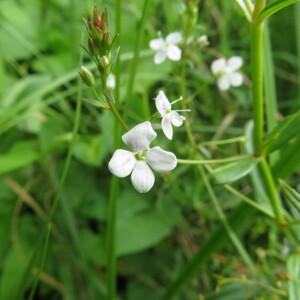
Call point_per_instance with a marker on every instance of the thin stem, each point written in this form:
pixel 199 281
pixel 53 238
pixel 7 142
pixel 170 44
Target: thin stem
pixel 115 184
pixel 271 190
pixel 240 139
pixel 212 161
pixel 137 48
pixel 257 84
pixel 60 187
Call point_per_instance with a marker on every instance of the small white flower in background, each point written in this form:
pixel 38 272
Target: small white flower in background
pixel 111 81
pixel 167 48
pixel 203 40
pixel 227 72
pixel 169 117
pixel 141 160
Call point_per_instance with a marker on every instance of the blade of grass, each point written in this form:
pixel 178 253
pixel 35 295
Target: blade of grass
pixel 297 21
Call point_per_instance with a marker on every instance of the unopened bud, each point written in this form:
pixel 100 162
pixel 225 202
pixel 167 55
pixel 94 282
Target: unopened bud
pixel 97 20
pixel 104 61
pixel 86 76
pixel 203 40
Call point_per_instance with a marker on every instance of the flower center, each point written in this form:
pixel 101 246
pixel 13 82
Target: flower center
pixel 140 154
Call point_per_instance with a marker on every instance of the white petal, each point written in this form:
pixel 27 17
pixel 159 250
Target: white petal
pixel 166 126
pixel 235 62
pixel 236 79
pixel 111 81
pixel 157 44
pixel 224 82
pixel 161 160
pixel 160 57
pixel 122 162
pixel 176 118
pixel 140 136
pixel 142 177
pixel 174 38
pixel 218 66
pixel 174 52
pixel 162 103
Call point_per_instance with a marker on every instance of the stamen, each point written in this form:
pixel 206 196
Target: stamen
pixel 177 100
pixel 187 110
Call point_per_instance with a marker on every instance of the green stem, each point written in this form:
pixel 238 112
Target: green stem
pixel 60 187
pixel 257 84
pixel 271 190
pixel 136 55
pixel 257 44
pixel 115 183
pixel 212 161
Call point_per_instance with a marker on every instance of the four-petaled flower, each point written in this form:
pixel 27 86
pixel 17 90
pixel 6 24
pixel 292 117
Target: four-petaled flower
pixel 169 117
pixel 227 72
pixel 167 48
pixel 141 160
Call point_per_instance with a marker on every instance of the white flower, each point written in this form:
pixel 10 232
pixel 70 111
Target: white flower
pixel 111 81
pixel 227 72
pixel 169 117
pixel 167 48
pixel 141 160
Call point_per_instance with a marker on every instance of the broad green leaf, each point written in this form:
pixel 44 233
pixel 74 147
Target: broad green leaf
pixel 282 133
pixel 20 155
pixel 293 268
pixel 234 171
pixel 273 8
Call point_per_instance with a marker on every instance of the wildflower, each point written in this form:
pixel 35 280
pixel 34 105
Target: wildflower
pixel 227 72
pixel 141 160
pixel 167 48
pixel 169 117
pixel 111 81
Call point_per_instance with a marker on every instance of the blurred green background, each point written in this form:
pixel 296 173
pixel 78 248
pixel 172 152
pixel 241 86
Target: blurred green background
pixel 159 232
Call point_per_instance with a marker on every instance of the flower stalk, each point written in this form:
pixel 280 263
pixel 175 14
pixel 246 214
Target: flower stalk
pixel 257 39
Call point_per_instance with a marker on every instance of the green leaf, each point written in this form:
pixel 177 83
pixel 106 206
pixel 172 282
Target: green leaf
pixel 293 268
pixel 234 171
pixel 273 8
pixel 292 195
pixel 20 155
pixel 286 130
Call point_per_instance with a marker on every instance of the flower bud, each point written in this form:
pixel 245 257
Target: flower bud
pixel 104 61
pixel 203 40
pixel 86 76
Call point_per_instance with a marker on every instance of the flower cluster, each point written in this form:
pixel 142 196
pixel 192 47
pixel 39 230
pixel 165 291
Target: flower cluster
pixel 141 159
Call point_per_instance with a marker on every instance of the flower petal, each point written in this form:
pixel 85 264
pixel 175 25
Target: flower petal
pixel 160 57
pixel 235 62
pixel 176 118
pixel 174 38
pixel 122 162
pixel 140 136
pixel 161 160
pixel 111 81
pixel 218 66
pixel 162 103
pixel 224 82
pixel 236 79
pixel 174 52
pixel 157 44
pixel 142 177
pixel 166 126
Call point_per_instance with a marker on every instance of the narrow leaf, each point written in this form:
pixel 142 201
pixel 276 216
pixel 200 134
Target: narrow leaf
pixel 234 171
pixel 281 134
pixel 293 267
pixel 273 8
